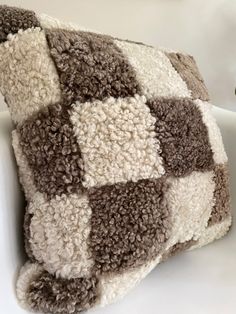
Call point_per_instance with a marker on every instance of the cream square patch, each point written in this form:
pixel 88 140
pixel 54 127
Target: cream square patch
pixel 156 75
pixel 117 141
pixel 190 200
pixel 28 78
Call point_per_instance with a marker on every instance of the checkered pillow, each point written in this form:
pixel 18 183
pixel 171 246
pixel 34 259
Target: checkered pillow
pixel 120 159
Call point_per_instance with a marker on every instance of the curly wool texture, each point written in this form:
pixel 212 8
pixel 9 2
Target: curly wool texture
pixel 186 66
pixel 24 170
pixel 90 66
pixel 189 198
pixel 27 236
pixel 28 273
pixel 214 135
pixel 57 295
pixel 156 75
pixel 183 136
pixel 213 232
pixel 117 141
pixel 48 142
pixel 130 224
pixel 28 77
pixel 115 287
pixel 222 208
pixel 59 232
pixel 14 20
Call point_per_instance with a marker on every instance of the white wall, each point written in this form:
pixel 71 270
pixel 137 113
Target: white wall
pixel 204 28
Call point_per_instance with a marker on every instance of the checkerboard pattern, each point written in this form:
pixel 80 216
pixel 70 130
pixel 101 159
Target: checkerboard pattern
pixel 120 159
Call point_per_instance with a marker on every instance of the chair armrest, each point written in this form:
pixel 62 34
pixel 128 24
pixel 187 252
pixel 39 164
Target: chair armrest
pixel 11 219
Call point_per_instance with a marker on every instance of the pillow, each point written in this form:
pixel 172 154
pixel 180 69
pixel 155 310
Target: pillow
pixel 120 159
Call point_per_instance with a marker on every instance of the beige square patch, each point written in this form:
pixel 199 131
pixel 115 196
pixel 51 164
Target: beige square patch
pixel 59 237
pixel 28 83
pixel 190 200
pixel 117 141
pixel 156 75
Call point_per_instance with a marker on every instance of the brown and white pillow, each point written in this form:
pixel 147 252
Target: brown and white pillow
pixel 120 159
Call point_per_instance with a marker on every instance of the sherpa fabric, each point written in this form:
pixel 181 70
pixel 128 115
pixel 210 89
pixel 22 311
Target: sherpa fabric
pixel 119 156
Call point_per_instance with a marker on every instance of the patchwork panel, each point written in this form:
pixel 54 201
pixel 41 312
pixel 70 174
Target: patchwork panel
pixel 190 200
pixel 119 156
pixel 28 78
pixel 14 20
pixel 130 224
pixel 52 152
pixel 155 73
pixel 117 141
pixel 90 66
pixel 186 66
pixel 59 232
pixel 183 136
pixel 76 295
pixel 214 135
pixel 222 208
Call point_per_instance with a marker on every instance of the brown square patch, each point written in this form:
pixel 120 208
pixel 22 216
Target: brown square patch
pixel 183 136
pixel 221 209
pixel 13 19
pixel 130 224
pixel 90 66
pixel 47 293
pixel 186 66
pixel 52 152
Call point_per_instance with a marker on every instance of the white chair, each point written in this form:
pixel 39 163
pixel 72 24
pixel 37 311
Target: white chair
pixel 202 281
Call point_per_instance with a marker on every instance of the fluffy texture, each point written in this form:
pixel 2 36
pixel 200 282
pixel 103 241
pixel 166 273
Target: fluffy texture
pixel 213 232
pixel 24 169
pixel 183 136
pixel 221 209
pixel 115 287
pixel 48 142
pixel 155 73
pixel 130 224
pixel 27 236
pixel 190 200
pixel 117 141
pixel 59 232
pixel 28 77
pixel 186 66
pixel 13 19
pixel 120 159
pixel 47 293
pixel 214 135
pixel 27 274
pixel 90 66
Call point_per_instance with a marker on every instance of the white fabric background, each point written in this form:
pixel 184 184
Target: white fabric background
pixel 205 29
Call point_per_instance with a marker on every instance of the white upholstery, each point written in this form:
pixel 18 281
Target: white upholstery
pixel 201 281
